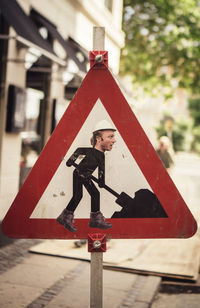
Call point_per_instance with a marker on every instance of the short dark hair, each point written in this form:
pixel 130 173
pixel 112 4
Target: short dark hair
pixel 93 139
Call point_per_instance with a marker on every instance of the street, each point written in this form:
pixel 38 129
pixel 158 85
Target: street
pixel 186 175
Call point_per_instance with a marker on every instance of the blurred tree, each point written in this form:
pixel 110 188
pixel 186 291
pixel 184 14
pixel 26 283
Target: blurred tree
pixel 160 35
pixel 194 108
pixel 196 139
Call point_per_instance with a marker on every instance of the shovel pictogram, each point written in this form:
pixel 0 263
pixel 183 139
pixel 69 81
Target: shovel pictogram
pixel 145 204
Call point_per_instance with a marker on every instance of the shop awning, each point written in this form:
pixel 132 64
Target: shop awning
pixel 27 32
pixel 70 50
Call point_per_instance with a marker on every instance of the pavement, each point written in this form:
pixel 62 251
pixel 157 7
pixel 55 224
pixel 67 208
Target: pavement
pixel 35 280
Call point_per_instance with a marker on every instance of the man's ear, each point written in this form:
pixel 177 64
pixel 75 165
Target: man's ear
pixel 98 138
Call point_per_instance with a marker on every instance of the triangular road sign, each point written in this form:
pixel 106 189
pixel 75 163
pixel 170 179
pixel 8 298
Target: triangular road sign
pixel 99 85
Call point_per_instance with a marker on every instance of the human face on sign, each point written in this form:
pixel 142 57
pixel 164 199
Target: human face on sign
pixel 106 141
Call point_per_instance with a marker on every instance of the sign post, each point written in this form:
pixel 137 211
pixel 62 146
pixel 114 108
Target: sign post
pixel 95 245
pixel 96 280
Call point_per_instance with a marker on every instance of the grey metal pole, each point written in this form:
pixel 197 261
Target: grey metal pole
pixel 98 38
pixel 96 280
pixel 96 267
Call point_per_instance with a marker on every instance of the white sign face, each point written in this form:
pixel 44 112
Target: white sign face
pixel 122 174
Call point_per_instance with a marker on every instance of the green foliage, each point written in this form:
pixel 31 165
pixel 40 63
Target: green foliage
pixel 161 131
pixel 194 108
pixel 162 34
pixel 196 139
pixel 178 136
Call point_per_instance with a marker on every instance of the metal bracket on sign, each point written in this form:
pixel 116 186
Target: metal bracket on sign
pixel 99 59
pixel 96 242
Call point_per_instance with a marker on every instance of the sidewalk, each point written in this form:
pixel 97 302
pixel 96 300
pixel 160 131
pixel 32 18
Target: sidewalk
pixel 35 280
pixel 45 281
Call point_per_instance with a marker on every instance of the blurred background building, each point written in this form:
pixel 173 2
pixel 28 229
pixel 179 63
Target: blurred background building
pixel 43 58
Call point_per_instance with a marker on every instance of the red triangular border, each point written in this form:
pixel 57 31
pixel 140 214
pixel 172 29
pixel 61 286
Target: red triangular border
pixel 99 83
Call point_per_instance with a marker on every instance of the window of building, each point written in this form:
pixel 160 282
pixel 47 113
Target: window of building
pixel 30 138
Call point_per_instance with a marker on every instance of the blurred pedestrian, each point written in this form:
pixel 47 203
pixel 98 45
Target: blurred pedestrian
pixel 163 152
